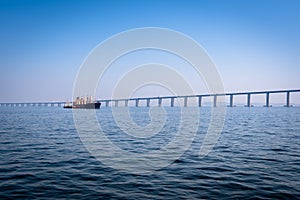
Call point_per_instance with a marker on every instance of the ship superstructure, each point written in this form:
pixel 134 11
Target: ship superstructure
pixel 84 103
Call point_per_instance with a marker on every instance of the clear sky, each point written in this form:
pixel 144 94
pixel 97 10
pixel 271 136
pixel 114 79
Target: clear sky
pixel 255 44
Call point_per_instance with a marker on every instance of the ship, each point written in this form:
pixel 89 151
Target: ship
pixel 84 103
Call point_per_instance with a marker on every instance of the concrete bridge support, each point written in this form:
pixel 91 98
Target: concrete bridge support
pixel 148 102
pixel 126 103
pixel 231 100
pixel 116 103
pixel 199 101
pixel 136 103
pixel 267 99
pixel 106 103
pixel 248 100
pixel 185 101
pixel 287 99
pixel 159 102
pixel 172 102
pixel 215 100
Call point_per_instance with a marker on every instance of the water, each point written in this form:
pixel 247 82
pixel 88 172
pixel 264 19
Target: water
pixel 257 157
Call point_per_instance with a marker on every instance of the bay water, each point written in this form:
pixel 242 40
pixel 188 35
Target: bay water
pixel 257 156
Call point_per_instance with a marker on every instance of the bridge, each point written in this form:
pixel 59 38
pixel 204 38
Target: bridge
pixel 109 102
pixel 27 104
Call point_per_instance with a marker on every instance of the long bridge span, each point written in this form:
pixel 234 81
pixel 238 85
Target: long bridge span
pixel 115 102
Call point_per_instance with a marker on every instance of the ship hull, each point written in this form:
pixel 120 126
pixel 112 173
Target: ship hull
pixel 84 106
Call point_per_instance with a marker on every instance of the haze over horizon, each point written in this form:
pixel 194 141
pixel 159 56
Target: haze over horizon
pixel 254 44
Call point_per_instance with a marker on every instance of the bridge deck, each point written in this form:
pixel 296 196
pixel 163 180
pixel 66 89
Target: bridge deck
pixel 185 97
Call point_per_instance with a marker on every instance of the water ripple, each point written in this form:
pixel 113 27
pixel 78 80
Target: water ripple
pixel 256 157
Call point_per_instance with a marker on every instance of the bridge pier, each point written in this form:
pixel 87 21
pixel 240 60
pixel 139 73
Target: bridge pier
pixel 215 100
pixel 116 103
pixel 159 102
pixel 199 101
pixel 231 101
pixel 126 103
pixel 248 100
pixel 137 103
pixel 172 102
pixel 107 103
pixel 185 101
pixel 148 102
pixel 288 99
pixel 267 99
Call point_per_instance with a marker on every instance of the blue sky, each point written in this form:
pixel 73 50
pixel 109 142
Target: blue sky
pixel 255 44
